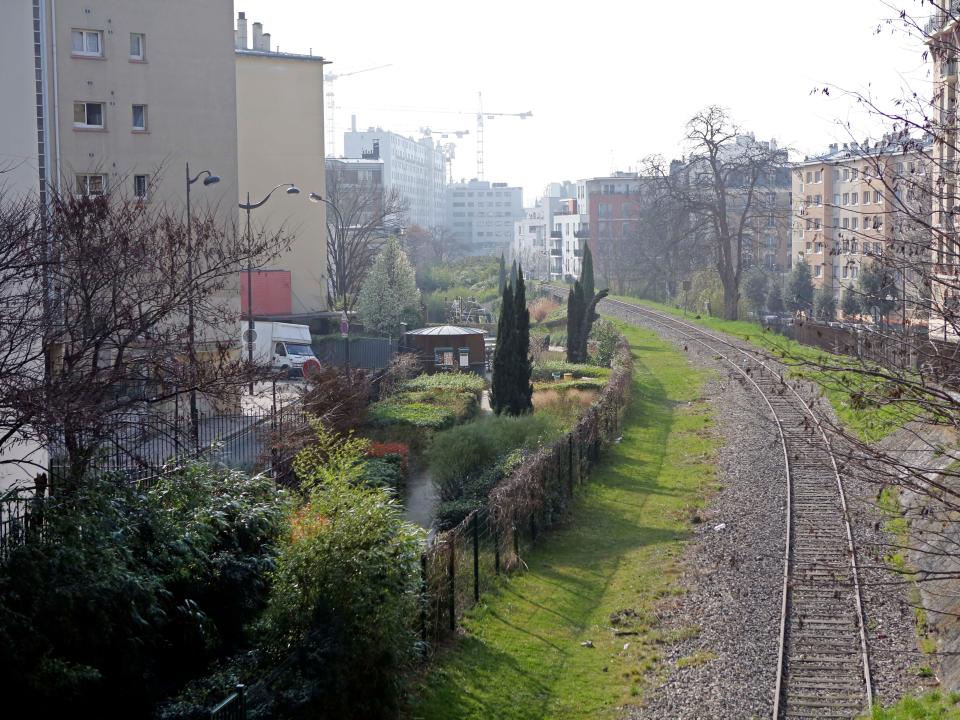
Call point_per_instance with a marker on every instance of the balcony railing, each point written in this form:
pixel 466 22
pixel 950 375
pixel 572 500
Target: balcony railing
pixel 583 232
pixel 556 252
pixel 556 234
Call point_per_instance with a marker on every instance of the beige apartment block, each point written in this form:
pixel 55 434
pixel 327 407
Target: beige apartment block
pixel 280 132
pixel 845 210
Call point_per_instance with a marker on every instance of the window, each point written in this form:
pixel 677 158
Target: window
pixel 854 271
pixel 816 223
pixel 818 247
pixel 809 224
pixel 846 198
pixel 88 115
pixel 87 43
pixel 877 197
pixel 878 222
pixel 836 199
pixel 818 176
pixel 138 46
pixel 846 174
pixel 853 174
pixel 818 270
pixel 846 271
pixel 854 197
pixel 853 223
pixel 846 222
pixel 876 248
pixel 866 197
pixel 140 185
pixel 818 199
pixel 91 185
pixel 140 117
pixel 854 247
pixel 846 246
pixel 809 176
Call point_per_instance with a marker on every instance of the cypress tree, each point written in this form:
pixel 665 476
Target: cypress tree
pixel 586 273
pixel 513 273
pixel 523 394
pixel 575 310
pixel 503 384
pixel 503 273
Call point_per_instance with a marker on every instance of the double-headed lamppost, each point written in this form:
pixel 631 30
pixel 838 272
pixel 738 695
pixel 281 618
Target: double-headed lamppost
pixel 208 179
pixel 248 206
pixel 345 322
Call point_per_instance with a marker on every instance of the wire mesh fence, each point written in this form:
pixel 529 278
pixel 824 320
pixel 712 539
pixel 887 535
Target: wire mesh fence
pixel 464 562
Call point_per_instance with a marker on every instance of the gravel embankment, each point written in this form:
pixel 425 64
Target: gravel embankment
pixel 728 614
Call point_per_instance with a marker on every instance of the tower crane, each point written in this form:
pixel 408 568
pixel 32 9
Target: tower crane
pixel 448 150
pixel 481 115
pixel 330 78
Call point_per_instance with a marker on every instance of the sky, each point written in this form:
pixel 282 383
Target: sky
pixel 609 82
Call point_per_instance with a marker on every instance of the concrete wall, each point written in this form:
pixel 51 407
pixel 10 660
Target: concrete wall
pixel 18 120
pixel 280 133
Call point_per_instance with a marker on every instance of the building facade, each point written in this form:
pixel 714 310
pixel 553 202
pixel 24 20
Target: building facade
pixel 279 108
pixel 540 254
pixel 482 214
pixel 847 208
pixel 415 168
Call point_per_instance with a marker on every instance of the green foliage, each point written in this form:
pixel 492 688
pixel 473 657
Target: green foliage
pixel 457 454
pixel 344 591
pixel 504 360
pixel 606 336
pixel 574 313
pixel 523 390
pixel 824 304
pixel 932 706
pixel 502 274
pixel 775 299
pixel 389 293
pixel 800 288
pixel 385 472
pixel 330 457
pixel 544 370
pixel 755 289
pixel 586 273
pixel 456 381
pixel 875 284
pixel 850 304
pixel 130 593
pixel 417 414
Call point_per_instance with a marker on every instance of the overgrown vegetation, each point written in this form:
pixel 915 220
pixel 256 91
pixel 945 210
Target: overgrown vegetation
pixel 475 277
pixel 430 402
pixel 932 706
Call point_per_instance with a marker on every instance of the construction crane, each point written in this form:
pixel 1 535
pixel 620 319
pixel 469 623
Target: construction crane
pixel 481 115
pixel 447 150
pixel 330 78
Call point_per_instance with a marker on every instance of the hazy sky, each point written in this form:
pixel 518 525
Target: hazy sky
pixel 609 81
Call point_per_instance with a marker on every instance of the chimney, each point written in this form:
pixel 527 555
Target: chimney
pixel 266 42
pixel 240 36
pixel 833 147
pixel 257 36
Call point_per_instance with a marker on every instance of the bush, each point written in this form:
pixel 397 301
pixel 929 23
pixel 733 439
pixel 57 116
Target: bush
pixel 417 414
pixel 457 381
pixel 544 370
pixel 130 593
pixel 606 336
pixel 383 472
pixel 541 308
pixel 344 591
pixel 455 455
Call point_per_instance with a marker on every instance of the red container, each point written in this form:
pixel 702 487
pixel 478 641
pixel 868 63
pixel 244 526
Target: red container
pixel 271 292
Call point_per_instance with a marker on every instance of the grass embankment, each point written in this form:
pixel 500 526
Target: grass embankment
pixel 933 706
pixel 842 388
pixel 523 655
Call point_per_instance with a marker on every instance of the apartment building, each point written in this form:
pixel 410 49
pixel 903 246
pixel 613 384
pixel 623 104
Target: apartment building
pixel 541 259
pixel 482 214
pixel 416 168
pixel 279 121
pixel 611 208
pixel 847 207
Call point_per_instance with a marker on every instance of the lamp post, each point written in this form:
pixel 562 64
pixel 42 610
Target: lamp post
pixel 210 179
pixel 315 197
pixel 248 206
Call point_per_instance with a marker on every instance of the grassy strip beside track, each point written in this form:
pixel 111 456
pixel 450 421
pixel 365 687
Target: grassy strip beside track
pixel 576 635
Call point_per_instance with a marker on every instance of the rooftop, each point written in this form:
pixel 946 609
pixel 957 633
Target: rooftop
pixel 445 330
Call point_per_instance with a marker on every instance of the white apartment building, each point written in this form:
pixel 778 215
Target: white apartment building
pixel 482 215
pixel 416 168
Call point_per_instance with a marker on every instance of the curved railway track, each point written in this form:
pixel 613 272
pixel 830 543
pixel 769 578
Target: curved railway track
pixel 823 662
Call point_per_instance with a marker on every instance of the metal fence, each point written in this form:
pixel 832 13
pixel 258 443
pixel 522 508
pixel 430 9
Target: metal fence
pixel 464 562
pixel 366 353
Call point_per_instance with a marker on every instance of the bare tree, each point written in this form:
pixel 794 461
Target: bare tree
pixel 720 186
pixel 108 359
pixel 362 215
pixel 437 245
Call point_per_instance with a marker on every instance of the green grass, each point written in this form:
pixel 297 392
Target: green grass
pixel 842 388
pixel 521 657
pixel 932 706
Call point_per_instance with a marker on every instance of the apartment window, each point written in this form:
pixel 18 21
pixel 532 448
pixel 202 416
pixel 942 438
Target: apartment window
pixel 140 117
pixel 91 185
pixel 818 176
pixel 854 247
pixel 846 271
pixel 87 43
pixel 846 223
pixel 876 248
pixel 854 271
pixel 853 174
pixel 846 174
pixel 816 223
pixel 88 115
pixel 809 176
pixel 877 197
pixel 818 247
pixel 140 185
pixel 878 222
pixel 846 246
pixel 854 197
pixel 853 223
pixel 809 224
pixel 818 270
pixel 818 199
pixel 836 173
pixel 138 46
pixel 836 199
pixel 866 197
pixel 846 198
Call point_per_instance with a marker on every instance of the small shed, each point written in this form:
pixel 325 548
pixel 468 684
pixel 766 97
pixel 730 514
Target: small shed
pixel 449 347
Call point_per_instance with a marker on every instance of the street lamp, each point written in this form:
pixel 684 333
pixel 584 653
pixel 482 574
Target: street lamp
pixel 248 206
pixel 210 179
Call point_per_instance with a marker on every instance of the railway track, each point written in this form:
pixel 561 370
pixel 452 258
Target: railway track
pixel 823 661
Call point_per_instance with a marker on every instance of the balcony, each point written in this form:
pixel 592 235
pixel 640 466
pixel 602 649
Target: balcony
pixel 583 232
pixel 578 252
pixel 556 252
pixel 948 68
pixel 556 234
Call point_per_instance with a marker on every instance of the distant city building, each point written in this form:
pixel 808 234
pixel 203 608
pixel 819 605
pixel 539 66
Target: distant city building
pixel 611 209
pixel 482 215
pixel 416 168
pixel 844 210
pixel 530 247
